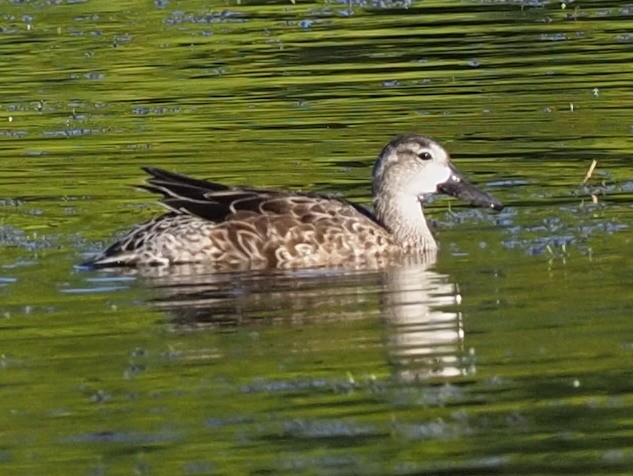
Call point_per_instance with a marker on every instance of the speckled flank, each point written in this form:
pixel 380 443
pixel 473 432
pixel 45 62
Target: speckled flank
pixel 244 227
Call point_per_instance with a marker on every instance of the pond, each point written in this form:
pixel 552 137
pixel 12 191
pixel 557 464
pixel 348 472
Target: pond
pixel 504 354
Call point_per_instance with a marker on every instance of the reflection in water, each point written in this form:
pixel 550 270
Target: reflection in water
pixel 424 332
pixel 425 337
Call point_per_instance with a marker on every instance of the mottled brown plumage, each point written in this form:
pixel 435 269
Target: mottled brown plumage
pixel 246 227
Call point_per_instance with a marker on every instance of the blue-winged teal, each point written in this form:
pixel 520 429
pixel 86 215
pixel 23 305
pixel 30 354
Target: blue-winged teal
pixel 247 227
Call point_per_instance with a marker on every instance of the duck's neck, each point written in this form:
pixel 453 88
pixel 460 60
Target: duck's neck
pixel 402 215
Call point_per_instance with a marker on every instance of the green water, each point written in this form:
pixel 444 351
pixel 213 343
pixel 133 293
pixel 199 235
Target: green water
pixel 509 355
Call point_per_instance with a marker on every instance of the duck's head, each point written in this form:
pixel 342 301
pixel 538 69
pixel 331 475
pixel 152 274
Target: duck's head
pixel 414 167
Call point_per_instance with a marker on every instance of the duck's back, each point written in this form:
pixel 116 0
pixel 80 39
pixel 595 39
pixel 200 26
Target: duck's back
pixel 243 227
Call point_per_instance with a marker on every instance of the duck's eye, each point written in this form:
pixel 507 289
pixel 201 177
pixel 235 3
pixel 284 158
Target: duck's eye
pixel 425 155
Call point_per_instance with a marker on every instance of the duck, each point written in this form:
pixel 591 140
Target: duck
pixel 235 226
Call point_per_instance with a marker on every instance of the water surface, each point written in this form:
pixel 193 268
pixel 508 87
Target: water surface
pixel 506 354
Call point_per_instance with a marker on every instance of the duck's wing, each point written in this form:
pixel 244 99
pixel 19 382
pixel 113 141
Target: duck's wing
pixel 217 202
pixel 187 195
pixel 227 225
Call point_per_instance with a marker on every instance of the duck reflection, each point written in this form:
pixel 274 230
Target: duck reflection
pixel 424 331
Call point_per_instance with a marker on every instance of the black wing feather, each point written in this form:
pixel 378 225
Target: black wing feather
pixel 214 201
